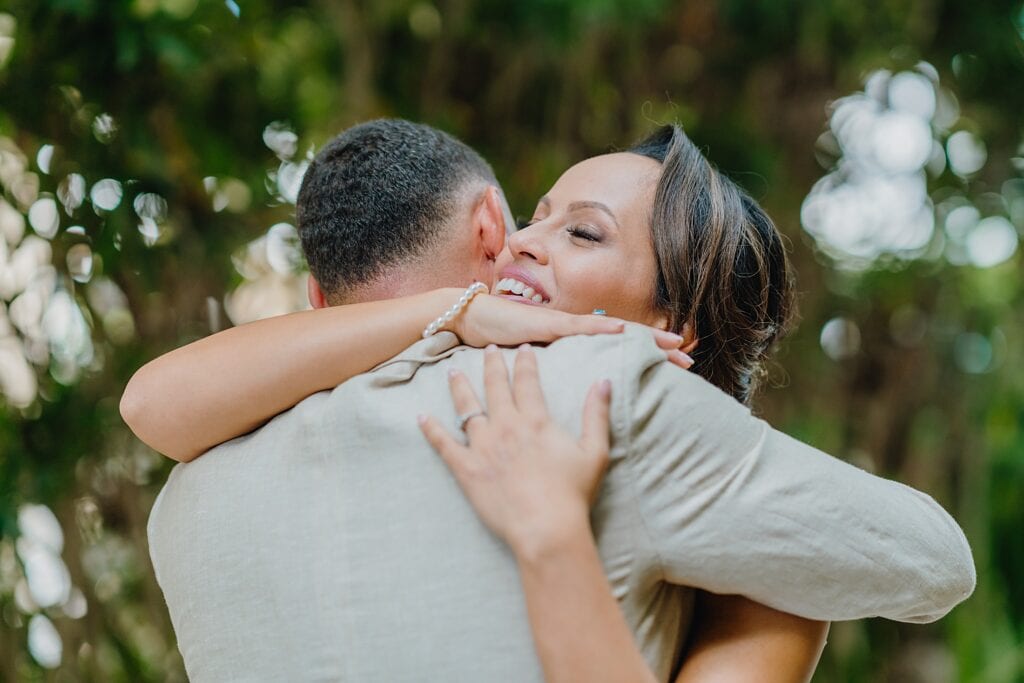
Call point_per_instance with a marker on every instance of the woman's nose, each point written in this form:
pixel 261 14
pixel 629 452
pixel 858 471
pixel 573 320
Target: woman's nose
pixel 529 243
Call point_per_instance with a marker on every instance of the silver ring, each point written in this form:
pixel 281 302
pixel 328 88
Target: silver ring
pixel 463 419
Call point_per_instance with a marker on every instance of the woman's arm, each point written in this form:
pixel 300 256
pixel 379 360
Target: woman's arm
pixel 581 634
pixel 578 628
pixel 225 385
pixel 229 383
pixel 735 640
pixel 532 484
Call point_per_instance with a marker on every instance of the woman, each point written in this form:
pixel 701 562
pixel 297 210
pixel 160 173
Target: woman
pixel 654 236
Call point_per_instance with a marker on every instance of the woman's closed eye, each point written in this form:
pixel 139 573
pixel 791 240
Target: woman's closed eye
pixel 584 232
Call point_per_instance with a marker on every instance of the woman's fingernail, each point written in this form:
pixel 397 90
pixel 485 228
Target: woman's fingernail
pixel 685 357
pixel 674 338
pixel 605 388
pixel 421 419
pixel 524 347
pixel 491 348
pixel 452 373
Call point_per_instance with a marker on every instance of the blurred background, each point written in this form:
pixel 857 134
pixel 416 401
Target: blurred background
pixel 151 152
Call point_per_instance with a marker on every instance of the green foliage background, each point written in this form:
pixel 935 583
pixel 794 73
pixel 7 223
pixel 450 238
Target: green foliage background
pixel 535 85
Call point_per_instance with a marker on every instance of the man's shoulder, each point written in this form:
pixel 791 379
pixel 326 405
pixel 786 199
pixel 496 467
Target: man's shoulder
pixel 635 339
pixel 573 360
pixel 634 358
pixel 252 454
pixel 634 349
pixel 631 359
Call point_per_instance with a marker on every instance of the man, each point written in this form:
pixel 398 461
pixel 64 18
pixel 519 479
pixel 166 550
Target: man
pixel 333 544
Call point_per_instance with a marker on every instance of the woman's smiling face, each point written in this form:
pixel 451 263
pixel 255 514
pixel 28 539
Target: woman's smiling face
pixel 588 245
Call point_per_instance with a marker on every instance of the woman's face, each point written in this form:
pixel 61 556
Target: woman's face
pixel 588 245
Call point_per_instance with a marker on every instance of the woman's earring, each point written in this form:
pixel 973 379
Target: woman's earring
pixel 599 311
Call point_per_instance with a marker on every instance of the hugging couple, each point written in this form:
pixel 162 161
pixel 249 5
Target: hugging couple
pixel 390 490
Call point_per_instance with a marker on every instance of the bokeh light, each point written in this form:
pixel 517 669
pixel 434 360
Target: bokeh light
pixel 281 139
pixel 992 241
pixel 106 194
pixel 79 261
pixel 70 340
pixel 8 25
pixel 43 217
pixel 39 525
pixel 882 145
pixel 284 182
pixel 44 643
pixel 44 157
pixel 288 179
pixel 272 266
pixel 46 583
pixel 966 153
pixel 228 194
pixel 104 128
pixel 840 338
pixel 973 353
pixel 151 209
pixel 875 201
pixel 71 192
pixel 110 304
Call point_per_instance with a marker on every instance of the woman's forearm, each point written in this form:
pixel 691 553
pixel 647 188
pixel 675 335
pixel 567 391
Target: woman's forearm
pixel 229 383
pixel 579 630
pixel 735 640
pixel 581 634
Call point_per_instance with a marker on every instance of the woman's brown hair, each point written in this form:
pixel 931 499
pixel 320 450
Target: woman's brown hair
pixel 722 266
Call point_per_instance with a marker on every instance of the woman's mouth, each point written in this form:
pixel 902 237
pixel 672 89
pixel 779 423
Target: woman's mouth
pixel 514 288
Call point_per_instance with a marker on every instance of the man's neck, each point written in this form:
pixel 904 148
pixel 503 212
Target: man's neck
pixel 406 283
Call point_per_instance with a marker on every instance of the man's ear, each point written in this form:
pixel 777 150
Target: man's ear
pixel 660 321
pixel 690 340
pixel 317 299
pixel 489 222
pixel 688 333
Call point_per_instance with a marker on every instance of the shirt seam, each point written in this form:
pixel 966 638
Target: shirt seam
pixel 422 357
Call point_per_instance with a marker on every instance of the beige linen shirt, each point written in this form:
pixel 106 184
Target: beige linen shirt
pixel 332 544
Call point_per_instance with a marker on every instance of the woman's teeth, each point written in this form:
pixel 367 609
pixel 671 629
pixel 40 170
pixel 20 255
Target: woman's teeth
pixel 510 285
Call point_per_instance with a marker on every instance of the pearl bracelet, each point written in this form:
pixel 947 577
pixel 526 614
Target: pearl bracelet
pixel 449 315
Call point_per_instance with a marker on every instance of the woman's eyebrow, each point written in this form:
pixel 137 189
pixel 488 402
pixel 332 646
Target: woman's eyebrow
pixel 579 206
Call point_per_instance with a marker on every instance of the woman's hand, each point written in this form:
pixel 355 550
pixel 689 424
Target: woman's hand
pixel 533 484
pixel 530 481
pixel 493 320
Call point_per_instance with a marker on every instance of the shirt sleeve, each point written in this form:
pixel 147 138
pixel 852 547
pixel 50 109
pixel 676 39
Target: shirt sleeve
pixel 732 506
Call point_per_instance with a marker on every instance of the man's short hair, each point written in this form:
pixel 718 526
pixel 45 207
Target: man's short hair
pixel 379 195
